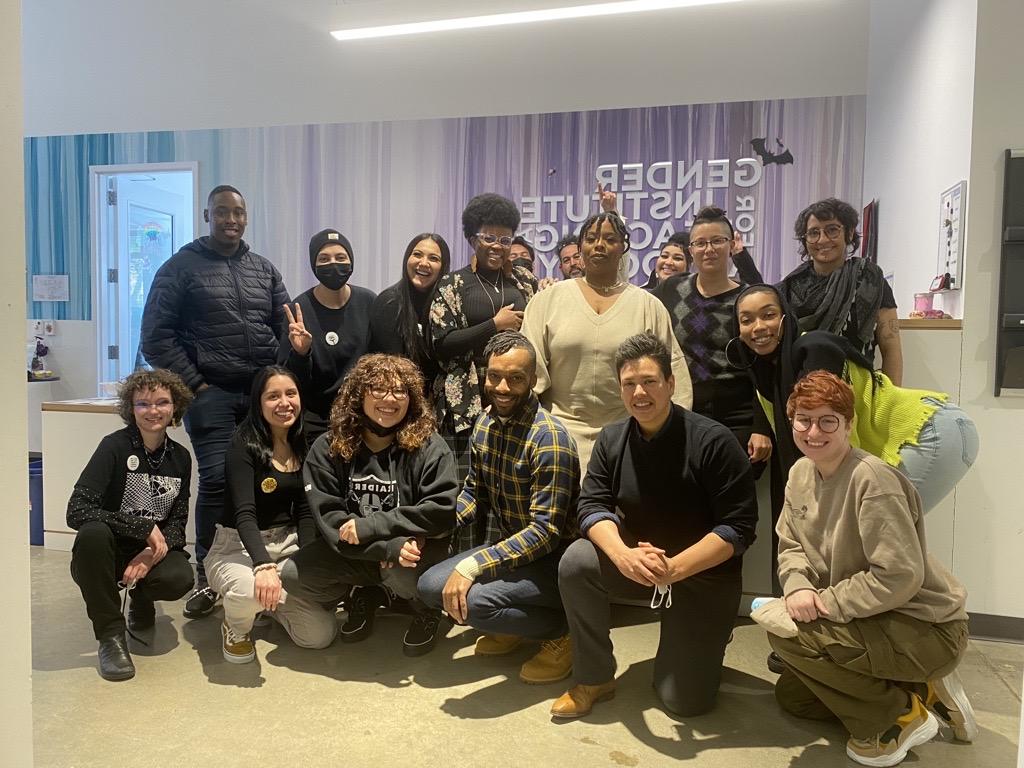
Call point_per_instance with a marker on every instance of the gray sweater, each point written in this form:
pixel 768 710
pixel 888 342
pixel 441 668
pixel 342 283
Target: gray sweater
pixel 858 539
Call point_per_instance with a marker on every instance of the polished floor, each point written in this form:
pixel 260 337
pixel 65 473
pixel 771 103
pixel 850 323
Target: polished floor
pixel 368 705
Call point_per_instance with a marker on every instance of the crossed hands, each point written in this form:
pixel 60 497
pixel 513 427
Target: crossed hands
pixel 806 605
pixel 645 564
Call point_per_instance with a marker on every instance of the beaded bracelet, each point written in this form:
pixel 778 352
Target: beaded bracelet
pixel 263 567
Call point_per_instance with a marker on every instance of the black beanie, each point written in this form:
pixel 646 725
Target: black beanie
pixel 328 237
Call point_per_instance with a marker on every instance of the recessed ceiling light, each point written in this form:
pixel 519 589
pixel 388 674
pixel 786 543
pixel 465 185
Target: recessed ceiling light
pixel 519 17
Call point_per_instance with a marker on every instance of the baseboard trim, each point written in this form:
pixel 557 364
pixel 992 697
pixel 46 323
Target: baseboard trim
pixel 1007 629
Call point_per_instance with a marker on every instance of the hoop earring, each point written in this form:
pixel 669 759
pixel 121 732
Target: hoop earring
pixel 745 361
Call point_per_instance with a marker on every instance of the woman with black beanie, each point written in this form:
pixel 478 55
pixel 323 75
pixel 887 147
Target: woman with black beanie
pixel 328 328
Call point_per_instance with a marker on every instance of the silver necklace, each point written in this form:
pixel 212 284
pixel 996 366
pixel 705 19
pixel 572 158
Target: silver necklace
pixel 487 293
pixel 155 459
pixel 605 289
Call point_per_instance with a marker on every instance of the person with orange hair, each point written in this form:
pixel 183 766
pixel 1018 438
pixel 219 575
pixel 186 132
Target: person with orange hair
pixel 382 487
pixel 878 625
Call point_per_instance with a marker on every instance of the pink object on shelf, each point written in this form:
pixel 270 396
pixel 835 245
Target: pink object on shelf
pixel 923 302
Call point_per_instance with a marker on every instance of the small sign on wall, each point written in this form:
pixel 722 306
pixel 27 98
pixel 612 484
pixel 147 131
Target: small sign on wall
pixel 50 288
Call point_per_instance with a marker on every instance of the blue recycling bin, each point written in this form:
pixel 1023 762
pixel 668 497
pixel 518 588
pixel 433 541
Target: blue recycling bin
pixel 35 497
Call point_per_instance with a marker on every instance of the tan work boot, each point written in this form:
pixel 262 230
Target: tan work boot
pixel 496 645
pixel 580 699
pixel 553 662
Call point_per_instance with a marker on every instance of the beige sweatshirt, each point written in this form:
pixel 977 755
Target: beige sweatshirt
pixel 858 538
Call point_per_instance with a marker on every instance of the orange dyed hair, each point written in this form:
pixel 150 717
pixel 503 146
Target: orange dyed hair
pixel 821 389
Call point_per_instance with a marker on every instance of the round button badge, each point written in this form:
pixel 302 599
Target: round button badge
pixel 133 462
pixel 331 338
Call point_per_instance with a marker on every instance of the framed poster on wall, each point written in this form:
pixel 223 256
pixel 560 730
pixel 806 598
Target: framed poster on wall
pixel 952 207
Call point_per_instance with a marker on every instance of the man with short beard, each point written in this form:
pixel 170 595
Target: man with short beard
pixel 213 316
pixel 525 473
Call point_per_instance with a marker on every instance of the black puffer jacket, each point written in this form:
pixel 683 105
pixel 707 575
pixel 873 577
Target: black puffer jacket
pixel 212 319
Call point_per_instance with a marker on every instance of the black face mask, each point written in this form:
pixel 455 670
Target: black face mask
pixel 379 430
pixel 333 276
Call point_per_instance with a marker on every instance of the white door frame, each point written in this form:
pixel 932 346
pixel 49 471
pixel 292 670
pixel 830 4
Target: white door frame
pixel 95 201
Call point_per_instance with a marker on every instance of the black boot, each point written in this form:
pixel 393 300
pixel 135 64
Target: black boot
pixel 141 611
pixel 361 607
pixel 115 661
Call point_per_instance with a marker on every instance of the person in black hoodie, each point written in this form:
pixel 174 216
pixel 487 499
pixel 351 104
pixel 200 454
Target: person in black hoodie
pixel 213 316
pixel 400 315
pixel 328 330
pixel 130 506
pixel 382 487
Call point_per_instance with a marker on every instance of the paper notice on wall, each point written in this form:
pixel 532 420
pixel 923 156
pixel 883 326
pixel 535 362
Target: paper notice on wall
pixel 50 288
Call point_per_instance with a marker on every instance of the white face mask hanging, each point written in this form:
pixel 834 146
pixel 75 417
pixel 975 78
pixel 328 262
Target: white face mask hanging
pixel 662 597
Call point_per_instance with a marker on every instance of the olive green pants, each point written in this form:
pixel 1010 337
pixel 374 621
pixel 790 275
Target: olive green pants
pixel 861 672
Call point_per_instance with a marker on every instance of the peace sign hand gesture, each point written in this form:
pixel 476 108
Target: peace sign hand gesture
pixel 300 338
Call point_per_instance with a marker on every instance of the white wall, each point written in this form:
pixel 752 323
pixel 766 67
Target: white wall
pixel 241 63
pixel 990 506
pixel 920 92
pixel 16 658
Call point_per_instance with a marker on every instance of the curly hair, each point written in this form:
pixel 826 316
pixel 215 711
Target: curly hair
pixel 570 239
pixel 489 208
pixel 347 411
pixel 829 209
pixel 821 389
pixel 143 380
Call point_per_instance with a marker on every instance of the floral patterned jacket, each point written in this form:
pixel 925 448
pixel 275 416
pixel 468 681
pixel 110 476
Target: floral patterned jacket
pixel 457 388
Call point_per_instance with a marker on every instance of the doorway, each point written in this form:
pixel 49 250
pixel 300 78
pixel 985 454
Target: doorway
pixel 142 215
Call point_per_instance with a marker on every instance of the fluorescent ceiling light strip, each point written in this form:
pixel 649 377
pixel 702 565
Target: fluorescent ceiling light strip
pixel 519 17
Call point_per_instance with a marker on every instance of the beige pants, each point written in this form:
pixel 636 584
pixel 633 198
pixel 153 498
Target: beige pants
pixel 229 571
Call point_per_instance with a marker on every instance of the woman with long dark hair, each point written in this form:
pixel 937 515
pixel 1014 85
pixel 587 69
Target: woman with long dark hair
pixel 266 519
pixel 382 487
pixel 400 315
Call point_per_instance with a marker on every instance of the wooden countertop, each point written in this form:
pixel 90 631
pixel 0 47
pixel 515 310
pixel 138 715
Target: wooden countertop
pixel 927 323
pixel 90 405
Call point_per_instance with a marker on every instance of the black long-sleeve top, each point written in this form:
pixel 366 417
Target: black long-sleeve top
pixel 480 303
pixel 690 479
pixel 427 487
pixel 322 370
pixel 260 497
pixel 118 487
pixel 384 336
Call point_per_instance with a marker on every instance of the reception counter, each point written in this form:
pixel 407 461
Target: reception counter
pixel 71 430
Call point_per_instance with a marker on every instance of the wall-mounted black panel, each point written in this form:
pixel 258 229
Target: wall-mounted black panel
pixel 1010 323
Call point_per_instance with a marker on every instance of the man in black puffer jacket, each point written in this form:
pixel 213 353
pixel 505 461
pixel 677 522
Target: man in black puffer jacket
pixel 213 316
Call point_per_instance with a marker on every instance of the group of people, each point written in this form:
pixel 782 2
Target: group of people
pixel 515 455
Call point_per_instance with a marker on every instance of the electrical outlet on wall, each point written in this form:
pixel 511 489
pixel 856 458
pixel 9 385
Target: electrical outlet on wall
pixel 50 327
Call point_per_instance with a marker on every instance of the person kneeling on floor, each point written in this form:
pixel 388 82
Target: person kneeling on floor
pixel 266 520
pixel 524 473
pixel 880 625
pixel 130 506
pixel 382 486
pixel 667 509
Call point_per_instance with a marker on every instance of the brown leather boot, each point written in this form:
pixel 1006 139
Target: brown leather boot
pixel 580 699
pixel 496 645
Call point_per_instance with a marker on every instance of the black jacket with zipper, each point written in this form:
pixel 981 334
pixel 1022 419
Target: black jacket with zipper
pixel 214 319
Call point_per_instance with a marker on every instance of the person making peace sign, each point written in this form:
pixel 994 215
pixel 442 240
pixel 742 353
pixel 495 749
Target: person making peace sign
pixel 328 329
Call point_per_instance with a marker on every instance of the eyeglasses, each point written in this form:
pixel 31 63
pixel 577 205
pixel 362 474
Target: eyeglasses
pixel 715 242
pixel 827 424
pixel 399 393
pixel 160 405
pixel 832 231
pixel 489 239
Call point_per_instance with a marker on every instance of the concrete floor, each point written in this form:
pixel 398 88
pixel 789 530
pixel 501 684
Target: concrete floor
pixel 367 704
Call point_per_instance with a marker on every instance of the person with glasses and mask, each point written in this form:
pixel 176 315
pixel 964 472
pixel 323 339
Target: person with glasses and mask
pixel 872 627
pixel 328 328
pixel 381 485
pixel 837 292
pixel 470 306
pixel 130 506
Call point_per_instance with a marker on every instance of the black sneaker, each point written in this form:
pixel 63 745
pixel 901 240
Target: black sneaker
pixel 776 663
pixel 201 603
pixel 141 612
pixel 115 661
pixel 422 634
pixel 361 607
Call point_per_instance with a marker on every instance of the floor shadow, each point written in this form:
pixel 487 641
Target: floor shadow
pixel 204 636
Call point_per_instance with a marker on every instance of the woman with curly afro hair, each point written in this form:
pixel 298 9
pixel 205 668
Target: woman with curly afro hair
pixel 382 487
pixel 130 506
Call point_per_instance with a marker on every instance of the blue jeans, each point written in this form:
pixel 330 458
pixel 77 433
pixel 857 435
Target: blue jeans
pixel 946 448
pixel 523 601
pixel 210 422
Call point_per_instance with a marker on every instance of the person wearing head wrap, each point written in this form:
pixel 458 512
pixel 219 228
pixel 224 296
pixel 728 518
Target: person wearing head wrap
pixel 328 328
